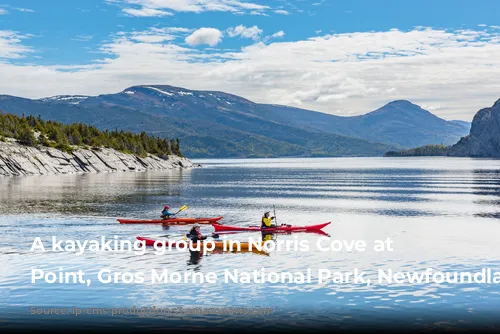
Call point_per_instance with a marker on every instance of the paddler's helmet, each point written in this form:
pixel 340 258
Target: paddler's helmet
pixel 166 207
pixel 196 225
pixel 266 213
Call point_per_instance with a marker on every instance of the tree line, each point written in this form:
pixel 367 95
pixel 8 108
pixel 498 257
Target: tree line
pixel 33 131
pixel 424 151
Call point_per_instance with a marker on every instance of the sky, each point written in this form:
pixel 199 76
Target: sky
pixel 339 57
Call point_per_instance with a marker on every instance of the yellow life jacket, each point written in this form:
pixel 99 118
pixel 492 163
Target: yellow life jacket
pixel 266 222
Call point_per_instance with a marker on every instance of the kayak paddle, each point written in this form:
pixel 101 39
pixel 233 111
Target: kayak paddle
pixel 181 209
pixel 215 236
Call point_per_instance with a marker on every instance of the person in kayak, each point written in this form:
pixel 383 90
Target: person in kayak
pixel 267 221
pixel 195 234
pixel 165 214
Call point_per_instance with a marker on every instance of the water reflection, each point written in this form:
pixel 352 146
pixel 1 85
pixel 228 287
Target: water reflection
pixel 487 188
pixel 89 194
pixel 195 257
pixel 441 213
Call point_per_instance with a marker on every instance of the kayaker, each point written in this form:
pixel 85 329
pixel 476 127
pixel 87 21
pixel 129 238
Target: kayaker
pixel 165 214
pixel 195 234
pixel 267 221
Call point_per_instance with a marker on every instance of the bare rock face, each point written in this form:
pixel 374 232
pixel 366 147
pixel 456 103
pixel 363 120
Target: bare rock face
pixel 484 137
pixel 18 160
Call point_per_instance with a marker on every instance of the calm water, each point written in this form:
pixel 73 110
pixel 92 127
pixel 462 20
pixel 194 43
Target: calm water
pixel 441 213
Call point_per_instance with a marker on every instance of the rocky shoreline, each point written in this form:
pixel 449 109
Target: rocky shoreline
pixel 484 138
pixel 19 160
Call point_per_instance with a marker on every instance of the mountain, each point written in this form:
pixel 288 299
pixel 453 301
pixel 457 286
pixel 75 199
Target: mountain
pixel 209 124
pixel 484 137
pixel 216 124
pixel 399 122
pixel 462 123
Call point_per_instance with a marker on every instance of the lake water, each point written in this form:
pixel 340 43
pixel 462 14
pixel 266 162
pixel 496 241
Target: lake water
pixel 441 213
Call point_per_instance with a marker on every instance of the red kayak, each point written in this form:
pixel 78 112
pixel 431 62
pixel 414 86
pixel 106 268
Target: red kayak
pixel 285 228
pixel 151 242
pixel 172 221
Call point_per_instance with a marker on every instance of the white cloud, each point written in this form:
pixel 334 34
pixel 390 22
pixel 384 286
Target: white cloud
pixel 153 38
pixel 245 32
pixel 278 34
pixel 27 10
pixel 83 38
pixel 257 13
pixel 455 71
pixel 157 35
pixel 4 11
pixel 209 36
pixel 196 6
pixel 281 12
pixel 11 46
pixel 177 29
pixel 146 12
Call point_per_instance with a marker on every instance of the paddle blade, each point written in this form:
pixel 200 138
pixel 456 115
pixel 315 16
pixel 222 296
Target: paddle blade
pixel 181 209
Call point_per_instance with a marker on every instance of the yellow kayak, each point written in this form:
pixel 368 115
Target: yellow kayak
pixel 219 245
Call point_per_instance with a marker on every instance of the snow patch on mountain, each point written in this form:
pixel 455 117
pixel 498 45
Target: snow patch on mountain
pixel 160 91
pixel 65 98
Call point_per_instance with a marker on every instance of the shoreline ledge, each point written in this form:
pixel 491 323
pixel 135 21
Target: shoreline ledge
pixel 20 160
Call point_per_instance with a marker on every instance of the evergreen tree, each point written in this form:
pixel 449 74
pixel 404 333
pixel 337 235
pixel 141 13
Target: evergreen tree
pixel 74 137
pixel 178 147
pixel 26 137
pixel 59 135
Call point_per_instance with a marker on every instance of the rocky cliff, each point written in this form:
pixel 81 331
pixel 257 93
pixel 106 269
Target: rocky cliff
pixel 18 160
pixel 484 137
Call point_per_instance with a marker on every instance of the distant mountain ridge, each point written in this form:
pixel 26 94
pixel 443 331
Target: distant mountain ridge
pixel 399 122
pixel 217 124
pixel 483 141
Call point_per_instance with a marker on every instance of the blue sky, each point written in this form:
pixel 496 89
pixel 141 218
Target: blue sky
pixel 341 57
